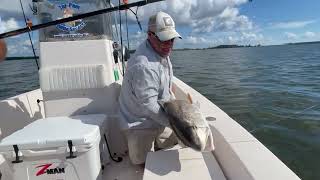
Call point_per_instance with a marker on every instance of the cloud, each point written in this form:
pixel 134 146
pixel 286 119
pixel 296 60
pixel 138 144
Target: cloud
pixel 19 47
pixel 290 35
pixel 136 39
pixel 8 25
pixel 206 8
pixel 185 10
pixel 244 38
pixel 192 17
pixel 201 15
pixel 193 40
pixel 292 24
pixel 203 26
pixel 12 8
pixel 309 34
pixel 252 38
pixel 230 20
pixel 2 28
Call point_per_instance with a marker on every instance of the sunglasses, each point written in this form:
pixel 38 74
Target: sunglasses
pixel 154 34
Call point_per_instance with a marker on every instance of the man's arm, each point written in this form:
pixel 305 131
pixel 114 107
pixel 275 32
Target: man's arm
pixel 146 84
pixel 3 50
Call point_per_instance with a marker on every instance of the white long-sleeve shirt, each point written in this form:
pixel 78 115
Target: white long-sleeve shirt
pixel 147 80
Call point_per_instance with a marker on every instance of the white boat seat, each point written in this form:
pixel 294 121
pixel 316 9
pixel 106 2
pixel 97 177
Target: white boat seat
pixel 78 89
pixel 182 164
pixel 66 78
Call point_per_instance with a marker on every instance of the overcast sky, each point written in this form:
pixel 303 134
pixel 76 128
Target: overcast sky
pixel 202 23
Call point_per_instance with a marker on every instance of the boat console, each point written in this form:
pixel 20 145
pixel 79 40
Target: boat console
pixel 79 92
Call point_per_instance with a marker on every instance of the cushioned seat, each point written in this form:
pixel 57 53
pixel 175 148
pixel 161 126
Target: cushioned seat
pixel 67 78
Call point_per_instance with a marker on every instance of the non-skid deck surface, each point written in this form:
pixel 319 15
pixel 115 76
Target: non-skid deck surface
pixel 122 171
pixel 182 164
pixel 173 164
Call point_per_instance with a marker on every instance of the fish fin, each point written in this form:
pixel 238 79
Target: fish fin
pixel 191 101
pixel 189 98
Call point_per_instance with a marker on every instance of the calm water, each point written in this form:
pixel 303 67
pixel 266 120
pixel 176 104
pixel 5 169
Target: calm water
pixel 272 91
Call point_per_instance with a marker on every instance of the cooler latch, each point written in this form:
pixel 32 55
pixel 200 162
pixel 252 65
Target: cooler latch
pixel 16 151
pixel 70 145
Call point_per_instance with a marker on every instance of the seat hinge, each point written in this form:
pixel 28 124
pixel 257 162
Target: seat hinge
pixel 16 151
pixel 71 155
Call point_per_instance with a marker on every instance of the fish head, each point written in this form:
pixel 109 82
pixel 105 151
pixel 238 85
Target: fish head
pixel 188 123
pixel 196 137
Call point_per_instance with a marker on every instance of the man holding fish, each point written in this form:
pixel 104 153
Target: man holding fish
pixel 148 81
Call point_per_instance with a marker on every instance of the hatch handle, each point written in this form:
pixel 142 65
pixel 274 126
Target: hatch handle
pixel 71 156
pixel 16 151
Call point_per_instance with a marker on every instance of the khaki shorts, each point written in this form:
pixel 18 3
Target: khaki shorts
pixel 142 141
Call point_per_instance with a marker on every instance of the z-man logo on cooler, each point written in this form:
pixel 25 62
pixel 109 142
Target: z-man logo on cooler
pixel 45 169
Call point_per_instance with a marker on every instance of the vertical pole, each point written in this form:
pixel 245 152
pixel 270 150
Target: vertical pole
pixel 25 20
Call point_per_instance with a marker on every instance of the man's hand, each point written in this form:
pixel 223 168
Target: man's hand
pixel 3 50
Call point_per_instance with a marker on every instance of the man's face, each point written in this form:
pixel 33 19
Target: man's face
pixel 163 48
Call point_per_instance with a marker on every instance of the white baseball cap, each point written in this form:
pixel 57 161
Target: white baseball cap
pixel 163 26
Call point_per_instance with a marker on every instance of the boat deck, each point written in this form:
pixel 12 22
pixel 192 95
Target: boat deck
pixel 123 170
pixel 172 164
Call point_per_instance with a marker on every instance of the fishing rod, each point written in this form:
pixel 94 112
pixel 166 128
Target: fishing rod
pixel 26 22
pixel 73 18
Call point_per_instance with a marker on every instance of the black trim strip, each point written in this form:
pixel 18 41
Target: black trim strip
pixel 80 16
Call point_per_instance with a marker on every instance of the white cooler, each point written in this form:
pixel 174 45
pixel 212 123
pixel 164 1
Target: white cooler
pixel 59 148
